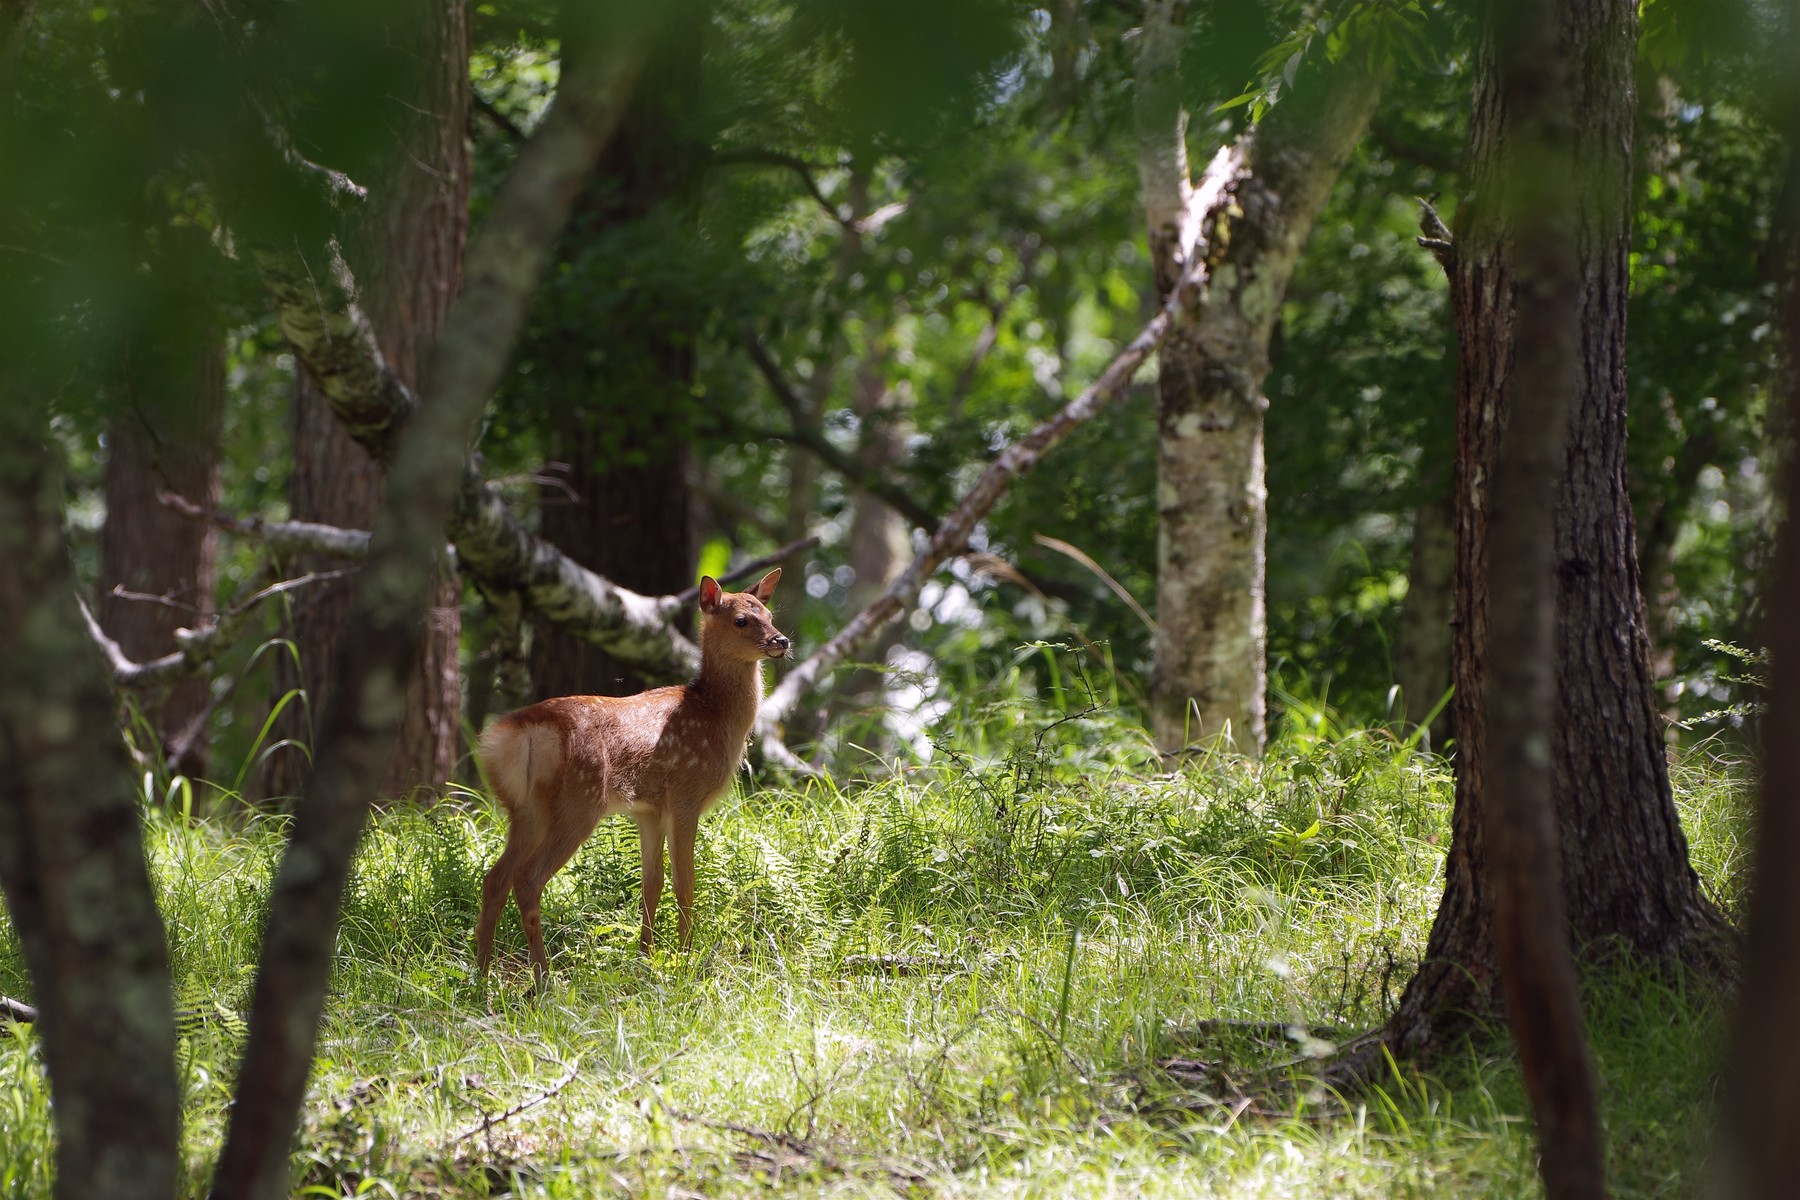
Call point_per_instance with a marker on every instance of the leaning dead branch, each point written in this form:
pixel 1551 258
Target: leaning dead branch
pixel 952 536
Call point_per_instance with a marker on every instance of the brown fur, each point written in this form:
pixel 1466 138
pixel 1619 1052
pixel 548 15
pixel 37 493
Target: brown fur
pixel 662 757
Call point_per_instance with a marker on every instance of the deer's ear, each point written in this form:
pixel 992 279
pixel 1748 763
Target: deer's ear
pixel 710 591
pixel 765 587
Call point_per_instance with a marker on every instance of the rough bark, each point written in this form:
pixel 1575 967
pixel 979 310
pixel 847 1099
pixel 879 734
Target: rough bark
pixel 626 511
pixel 1762 1109
pixel 1537 972
pixel 166 437
pixel 393 592
pixel 1626 879
pixel 409 242
pixel 1212 514
pixel 71 855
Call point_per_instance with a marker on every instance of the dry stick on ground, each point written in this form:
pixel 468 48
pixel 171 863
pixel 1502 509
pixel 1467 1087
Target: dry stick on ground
pixel 505 259
pixel 524 1106
pixel 952 536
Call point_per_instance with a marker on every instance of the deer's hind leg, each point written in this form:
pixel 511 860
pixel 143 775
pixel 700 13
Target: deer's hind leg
pixel 495 887
pixel 572 827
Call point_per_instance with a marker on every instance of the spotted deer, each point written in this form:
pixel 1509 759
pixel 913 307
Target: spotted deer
pixel 661 757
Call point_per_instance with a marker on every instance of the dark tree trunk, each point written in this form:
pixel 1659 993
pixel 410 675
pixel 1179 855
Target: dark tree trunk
pixel 1761 1124
pixel 626 510
pixel 1535 203
pixel 407 254
pixel 1626 879
pixel 72 857
pixel 165 438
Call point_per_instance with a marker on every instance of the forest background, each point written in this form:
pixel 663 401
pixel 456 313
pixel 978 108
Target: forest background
pixel 832 262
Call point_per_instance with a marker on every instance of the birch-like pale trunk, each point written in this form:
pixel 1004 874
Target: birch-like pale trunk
pixel 1249 217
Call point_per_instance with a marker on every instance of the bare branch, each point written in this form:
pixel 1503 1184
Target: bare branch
pixel 952 536
pixel 806 433
pixel 1435 235
pixel 283 538
pixel 800 167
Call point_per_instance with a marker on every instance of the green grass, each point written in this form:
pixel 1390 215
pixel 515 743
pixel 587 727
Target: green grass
pixel 961 980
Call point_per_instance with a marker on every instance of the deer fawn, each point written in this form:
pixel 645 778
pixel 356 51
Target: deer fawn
pixel 662 756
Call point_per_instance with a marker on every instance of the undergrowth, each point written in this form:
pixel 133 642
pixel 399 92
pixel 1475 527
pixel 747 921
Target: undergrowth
pixel 1035 965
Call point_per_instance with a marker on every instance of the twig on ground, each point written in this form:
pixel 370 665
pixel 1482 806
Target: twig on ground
pixel 524 1106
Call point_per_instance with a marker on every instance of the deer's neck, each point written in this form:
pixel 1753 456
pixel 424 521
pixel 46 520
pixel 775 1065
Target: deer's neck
pixel 732 688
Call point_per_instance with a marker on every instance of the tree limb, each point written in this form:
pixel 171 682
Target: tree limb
pixel 504 261
pixel 952 536
pixel 808 434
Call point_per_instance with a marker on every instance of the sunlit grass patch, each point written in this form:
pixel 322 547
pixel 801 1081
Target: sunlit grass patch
pixel 970 979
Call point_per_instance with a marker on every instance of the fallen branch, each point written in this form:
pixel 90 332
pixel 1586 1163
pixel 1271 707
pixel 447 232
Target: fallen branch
pixel 17 1011
pixel 524 1106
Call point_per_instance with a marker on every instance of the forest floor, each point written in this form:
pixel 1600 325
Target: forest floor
pixel 1027 974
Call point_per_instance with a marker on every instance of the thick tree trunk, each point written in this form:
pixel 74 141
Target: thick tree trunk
pixel 626 512
pixel 408 246
pixel 72 857
pixel 1212 507
pixel 1626 877
pixel 878 535
pixel 165 438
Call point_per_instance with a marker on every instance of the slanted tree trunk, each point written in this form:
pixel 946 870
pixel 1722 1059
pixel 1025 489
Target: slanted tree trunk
pixel 626 510
pixel 505 260
pixel 1626 878
pixel 165 438
pixel 407 249
pixel 71 855
pixel 1251 213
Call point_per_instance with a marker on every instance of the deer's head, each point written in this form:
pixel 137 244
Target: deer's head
pixel 739 624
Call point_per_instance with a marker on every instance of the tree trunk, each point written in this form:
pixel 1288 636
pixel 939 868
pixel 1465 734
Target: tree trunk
pixel 165 438
pixel 1253 217
pixel 878 535
pixel 72 857
pixel 1422 656
pixel 1536 207
pixel 1626 878
pixel 627 510
pixel 408 248
pixel 505 261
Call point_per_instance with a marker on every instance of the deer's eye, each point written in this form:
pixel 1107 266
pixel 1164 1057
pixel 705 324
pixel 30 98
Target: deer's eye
pixel 742 621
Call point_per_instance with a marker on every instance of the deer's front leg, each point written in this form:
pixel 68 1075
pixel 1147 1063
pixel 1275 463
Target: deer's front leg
pixel 650 846
pixel 684 826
